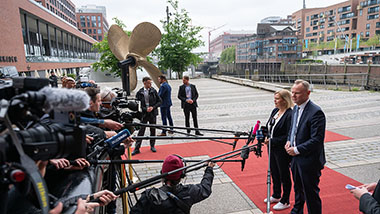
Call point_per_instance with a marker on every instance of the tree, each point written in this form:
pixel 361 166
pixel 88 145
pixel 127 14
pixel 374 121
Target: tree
pixel 178 42
pixel 228 55
pixel 108 61
pixel 373 41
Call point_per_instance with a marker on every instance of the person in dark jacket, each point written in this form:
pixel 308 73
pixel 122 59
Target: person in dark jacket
pixel 173 197
pixel 165 94
pixel 53 80
pixel 188 95
pixel 278 126
pixel 150 101
pixel 368 203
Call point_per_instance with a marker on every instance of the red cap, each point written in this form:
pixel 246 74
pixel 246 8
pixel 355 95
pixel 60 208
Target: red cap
pixel 171 163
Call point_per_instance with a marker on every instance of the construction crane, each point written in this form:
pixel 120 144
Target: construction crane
pixel 209 35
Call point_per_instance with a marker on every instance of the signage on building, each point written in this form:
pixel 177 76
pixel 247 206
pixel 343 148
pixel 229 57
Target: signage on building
pixel 8 58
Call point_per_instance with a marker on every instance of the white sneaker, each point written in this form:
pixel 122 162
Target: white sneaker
pixel 281 206
pixel 272 200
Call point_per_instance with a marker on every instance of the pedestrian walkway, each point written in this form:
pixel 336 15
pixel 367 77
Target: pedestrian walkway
pixel 230 106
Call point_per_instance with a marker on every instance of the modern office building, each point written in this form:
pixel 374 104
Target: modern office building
pixel 92 21
pixel 226 40
pixel 36 40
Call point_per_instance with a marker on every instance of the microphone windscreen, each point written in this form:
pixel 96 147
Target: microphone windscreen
pixel 63 99
pixel 257 126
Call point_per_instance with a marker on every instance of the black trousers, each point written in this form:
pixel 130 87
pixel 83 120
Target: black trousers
pixel 279 166
pixel 306 181
pixel 186 110
pixel 152 120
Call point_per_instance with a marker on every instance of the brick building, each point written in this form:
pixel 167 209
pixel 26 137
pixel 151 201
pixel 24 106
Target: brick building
pixel 36 39
pixel 347 20
pixel 62 8
pixel 226 40
pixel 92 21
pixel 273 43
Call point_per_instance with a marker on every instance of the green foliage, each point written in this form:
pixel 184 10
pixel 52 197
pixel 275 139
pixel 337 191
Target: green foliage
pixel 307 61
pixel 108 61
pixel 228 55
pixel 373 41
pixel 178 42
pixel 72 76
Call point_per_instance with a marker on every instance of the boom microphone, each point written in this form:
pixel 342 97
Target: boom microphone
pixel 63 99
pixel 117 139
pixel 244 155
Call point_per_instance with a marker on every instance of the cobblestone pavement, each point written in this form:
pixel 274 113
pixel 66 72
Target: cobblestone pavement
pixel 225 105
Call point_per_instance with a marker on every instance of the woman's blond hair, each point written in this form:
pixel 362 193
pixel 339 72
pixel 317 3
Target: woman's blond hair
pixel 287 96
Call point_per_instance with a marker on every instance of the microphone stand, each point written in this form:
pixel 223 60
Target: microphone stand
pixel 268 177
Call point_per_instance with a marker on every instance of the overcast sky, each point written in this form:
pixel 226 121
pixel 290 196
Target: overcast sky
pixel 237 15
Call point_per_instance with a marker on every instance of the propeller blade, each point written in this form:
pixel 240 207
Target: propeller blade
pixel 118 42
pixel 144 38
pixel 132 78
pixel 152 70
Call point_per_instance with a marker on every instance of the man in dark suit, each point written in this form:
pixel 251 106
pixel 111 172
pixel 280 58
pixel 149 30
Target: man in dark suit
pixel 150 101
pixel 188 95
pixel 305 144
pixel 369 204
pixel 165 94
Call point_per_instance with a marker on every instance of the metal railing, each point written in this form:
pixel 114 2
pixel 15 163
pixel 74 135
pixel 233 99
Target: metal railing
pixel 354 81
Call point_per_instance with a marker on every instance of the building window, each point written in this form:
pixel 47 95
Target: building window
pixel 307 29
pixel 368 26
pixel 100 38
pixel 361 12
pixel 377 32
pixel 374 16
pixel 89 31
pixel 367 34
pixel 82 21
pixel 93 21
pixel 307 18
pixel 84 30
pixel 94 37
pixel 99 31
pixel 88 21
pixel 377 24
pixel 373 9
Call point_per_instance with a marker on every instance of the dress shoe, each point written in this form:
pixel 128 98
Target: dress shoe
pixel 170 132
pixel 153 149
pixel 162 134
pixel 135 152
pixel 198 133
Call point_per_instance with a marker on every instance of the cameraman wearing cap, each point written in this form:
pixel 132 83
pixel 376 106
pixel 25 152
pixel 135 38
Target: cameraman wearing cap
pixel 174 197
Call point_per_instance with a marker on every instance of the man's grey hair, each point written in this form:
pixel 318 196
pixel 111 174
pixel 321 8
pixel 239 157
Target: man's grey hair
pixel 304 83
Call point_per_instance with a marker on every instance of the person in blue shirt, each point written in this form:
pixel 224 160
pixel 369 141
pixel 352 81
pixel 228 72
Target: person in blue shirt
pixel 165 92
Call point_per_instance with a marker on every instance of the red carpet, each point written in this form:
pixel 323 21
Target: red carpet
pixel 335 198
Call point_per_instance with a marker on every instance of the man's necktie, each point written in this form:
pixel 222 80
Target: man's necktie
pixel 294 126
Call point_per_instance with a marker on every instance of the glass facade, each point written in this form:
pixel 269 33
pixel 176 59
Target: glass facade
pixel 44 42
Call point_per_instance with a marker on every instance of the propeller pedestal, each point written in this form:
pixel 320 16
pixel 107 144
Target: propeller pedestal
pixel 124 66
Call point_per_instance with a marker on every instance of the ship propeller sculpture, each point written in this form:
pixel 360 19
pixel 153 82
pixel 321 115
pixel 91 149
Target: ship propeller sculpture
pixel 132 51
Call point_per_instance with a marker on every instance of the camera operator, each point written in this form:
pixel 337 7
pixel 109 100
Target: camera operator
pixel 150 101
pixel 95 102
pixel 368 203
pixel 107 95
pixel 278 125
pixel 174 197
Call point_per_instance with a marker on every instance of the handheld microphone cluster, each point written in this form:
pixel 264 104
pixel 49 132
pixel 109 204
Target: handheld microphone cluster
pixel 117 139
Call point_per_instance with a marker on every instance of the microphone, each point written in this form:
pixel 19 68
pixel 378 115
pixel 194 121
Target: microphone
pixel 117 139
pixel 244 155
pixel 257 126
pixel 62 99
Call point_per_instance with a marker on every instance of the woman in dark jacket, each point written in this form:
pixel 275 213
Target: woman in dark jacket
pixel 278 127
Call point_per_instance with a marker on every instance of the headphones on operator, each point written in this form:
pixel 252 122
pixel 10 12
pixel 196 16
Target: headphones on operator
pixel 183 172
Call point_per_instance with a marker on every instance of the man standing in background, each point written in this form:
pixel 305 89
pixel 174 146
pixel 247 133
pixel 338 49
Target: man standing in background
pixel 165 94
pixel 150 101
pixel 188 95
